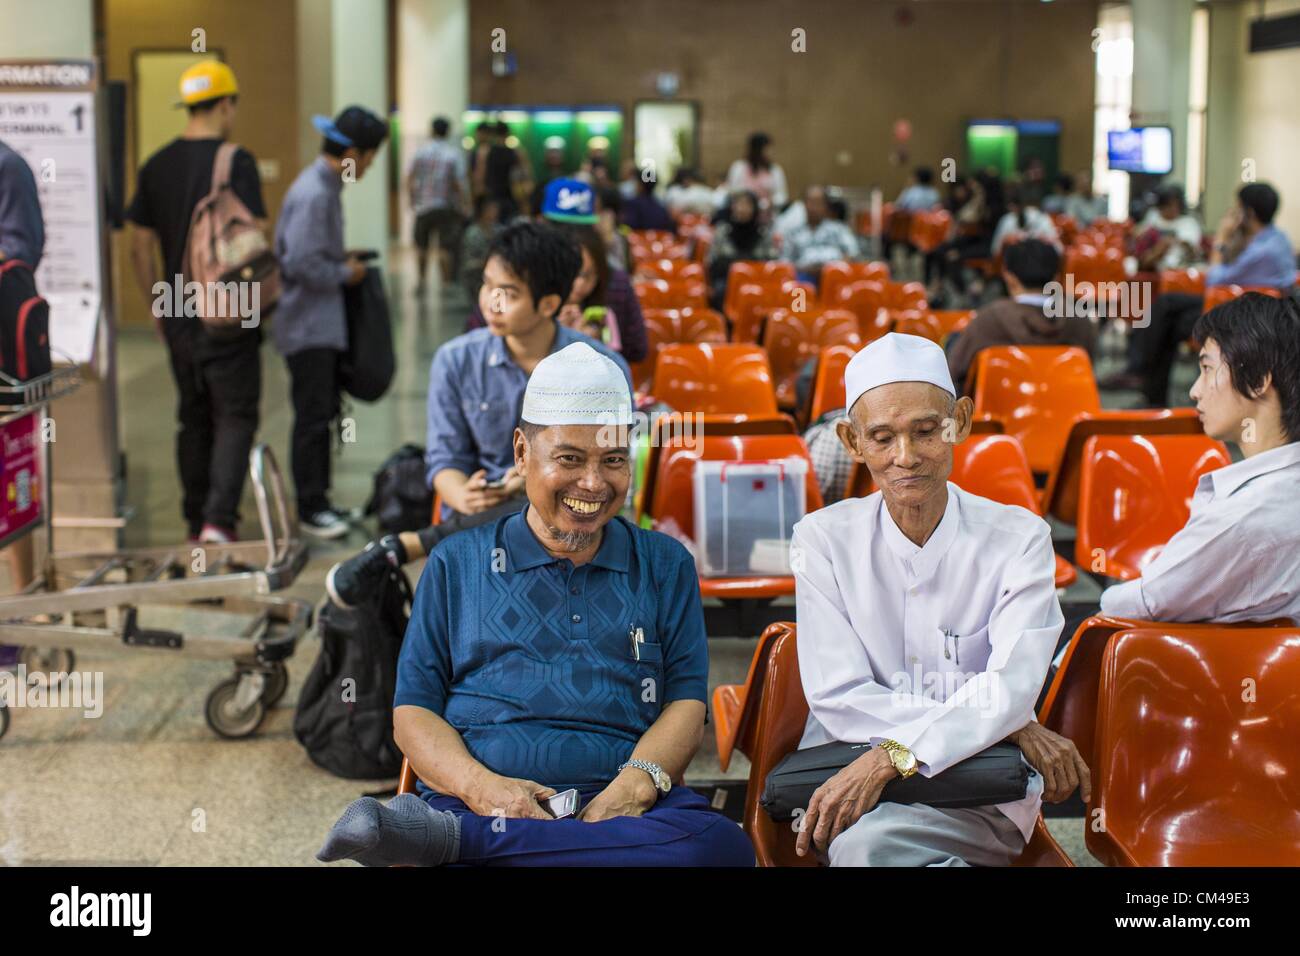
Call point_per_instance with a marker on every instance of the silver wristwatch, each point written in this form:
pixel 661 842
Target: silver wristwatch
pixel 662 783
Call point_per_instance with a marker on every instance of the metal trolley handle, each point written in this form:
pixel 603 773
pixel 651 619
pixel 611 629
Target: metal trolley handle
pixel 261 465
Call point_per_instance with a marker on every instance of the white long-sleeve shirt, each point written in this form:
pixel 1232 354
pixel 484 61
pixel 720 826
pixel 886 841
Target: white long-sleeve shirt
pixel 1238 556
pixel 943 648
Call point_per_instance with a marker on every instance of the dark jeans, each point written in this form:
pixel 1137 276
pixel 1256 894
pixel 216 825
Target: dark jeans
pixel 219 386
pixel 679 830
pixel 432 535
pixel 315 393
pixel 1151 351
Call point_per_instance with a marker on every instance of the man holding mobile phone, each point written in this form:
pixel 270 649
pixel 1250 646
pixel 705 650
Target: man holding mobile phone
pixel 559 648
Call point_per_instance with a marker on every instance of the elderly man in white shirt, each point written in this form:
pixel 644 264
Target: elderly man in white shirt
pixel 927 620
pixel 1236 559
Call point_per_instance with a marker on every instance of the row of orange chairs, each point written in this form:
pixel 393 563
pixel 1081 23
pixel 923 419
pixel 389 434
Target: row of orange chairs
pixel 1045 396
pixel 1187 770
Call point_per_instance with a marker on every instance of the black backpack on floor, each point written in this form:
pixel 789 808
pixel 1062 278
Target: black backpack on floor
pixel 400 499
pixel 345 712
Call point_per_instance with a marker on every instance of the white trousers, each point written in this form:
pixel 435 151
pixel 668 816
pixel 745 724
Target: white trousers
pixel 896 834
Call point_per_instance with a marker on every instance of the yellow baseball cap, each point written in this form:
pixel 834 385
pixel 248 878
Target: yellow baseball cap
pixel 205 81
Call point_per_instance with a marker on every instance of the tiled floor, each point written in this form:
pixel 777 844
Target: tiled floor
pixel 148 782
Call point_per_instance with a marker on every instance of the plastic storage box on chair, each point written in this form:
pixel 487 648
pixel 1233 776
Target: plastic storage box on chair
pixel 744 514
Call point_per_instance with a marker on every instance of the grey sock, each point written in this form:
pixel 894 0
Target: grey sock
pixel 407 832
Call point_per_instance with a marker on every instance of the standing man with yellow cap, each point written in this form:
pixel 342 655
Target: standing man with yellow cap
pixel 927 620
pixel 218 376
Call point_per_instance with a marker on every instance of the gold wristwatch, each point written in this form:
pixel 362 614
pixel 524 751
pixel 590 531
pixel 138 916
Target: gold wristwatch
pixel 904 760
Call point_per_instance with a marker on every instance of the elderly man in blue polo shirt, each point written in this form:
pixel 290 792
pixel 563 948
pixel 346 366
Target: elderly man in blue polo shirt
pixel 558 648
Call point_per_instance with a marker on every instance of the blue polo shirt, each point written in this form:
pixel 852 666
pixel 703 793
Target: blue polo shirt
pixel 530 658
pixel 476 394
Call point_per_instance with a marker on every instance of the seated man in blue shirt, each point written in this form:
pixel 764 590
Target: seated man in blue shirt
pixel 1248 251
pixel 557 648
pixel 476 387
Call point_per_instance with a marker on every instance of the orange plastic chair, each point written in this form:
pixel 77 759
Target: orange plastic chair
pixel 770 711
pixel 953 320
pixel 672 499
pixel 1061 495
pixel 1191 770
pixel 674 293
pixel 747 271
pixel 1098 272
pixel 755 301
pixel 662 326
pixel 866 299
pixel 1037 391
pixel 1070 706
pixel 1066 227
pixel 702 325
pixel 1217 295
pixel 794 338
pixel 1135 493
pixel 828 384
pixel 671 269
pixel 836 275
pixel 930 229
pixel 916 322
pixel 724 378
pixel 905 295
pixel 995 467
pixel 1189 281
pixel 667 326
pixel 406 778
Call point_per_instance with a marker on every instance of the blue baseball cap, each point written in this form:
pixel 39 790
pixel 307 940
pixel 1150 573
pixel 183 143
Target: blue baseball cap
pixel 569 200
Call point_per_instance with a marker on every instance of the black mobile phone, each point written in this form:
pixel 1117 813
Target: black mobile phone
pixel 496 483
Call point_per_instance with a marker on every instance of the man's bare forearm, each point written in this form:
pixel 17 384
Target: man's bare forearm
pixel 436 751
pixel 144 262
pixel 673 739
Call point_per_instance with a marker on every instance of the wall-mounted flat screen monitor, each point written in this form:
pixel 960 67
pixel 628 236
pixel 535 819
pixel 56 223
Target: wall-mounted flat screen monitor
pixel 1142 149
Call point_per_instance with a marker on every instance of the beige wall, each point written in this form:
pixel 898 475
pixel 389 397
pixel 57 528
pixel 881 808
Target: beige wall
pixel 432 74
pixel 63 29
pixel 863 69
pixel 1252 114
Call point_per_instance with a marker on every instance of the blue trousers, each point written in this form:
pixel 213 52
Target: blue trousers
pixel 679 830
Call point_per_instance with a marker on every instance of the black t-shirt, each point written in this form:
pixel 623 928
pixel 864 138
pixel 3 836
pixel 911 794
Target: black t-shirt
pixel 175 179
pixel 501 162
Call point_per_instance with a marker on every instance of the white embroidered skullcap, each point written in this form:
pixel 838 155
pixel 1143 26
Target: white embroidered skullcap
pixel 896 357
pixel 577 386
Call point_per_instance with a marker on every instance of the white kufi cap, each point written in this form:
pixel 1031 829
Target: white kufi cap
pixel 896 357
pixel 578 386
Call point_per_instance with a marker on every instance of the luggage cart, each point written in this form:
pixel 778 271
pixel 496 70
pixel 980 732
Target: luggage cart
pixel 94 601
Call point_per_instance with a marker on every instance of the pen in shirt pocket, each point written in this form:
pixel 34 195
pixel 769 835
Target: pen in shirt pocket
pixel 955 653
pixel 637 637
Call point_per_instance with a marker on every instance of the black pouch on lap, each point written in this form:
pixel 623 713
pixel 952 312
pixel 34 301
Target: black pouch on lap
pixel 992 776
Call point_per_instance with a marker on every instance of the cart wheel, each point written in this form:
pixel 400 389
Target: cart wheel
pixel 224 715
pixel 44 661
pixel 277 682
pixel 4 720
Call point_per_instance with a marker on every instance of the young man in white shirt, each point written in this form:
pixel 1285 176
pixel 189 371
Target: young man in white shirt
pixel 927 620
pixel 1236 558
